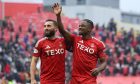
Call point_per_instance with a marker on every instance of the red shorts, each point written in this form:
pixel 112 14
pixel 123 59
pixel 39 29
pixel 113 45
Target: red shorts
pixel 82 80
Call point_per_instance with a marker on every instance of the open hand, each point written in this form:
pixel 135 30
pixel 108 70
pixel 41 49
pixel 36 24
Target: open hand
pixel 57 8
pixel 95 72
pixel 33 82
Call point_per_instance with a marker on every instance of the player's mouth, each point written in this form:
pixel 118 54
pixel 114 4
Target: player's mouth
pixel 47 31
pixel 80 30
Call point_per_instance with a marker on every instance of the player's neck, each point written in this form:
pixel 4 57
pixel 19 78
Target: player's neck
pixel 51 38
pixel 86 36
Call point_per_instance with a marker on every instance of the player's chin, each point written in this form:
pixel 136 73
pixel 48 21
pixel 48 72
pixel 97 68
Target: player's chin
pixel 80 33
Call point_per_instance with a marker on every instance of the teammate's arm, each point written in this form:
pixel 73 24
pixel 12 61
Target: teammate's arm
pixel 57 10
pixel 33 69
pixel 100 68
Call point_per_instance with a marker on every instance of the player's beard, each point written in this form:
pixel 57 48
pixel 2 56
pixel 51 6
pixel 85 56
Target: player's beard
pixel 50 34
pixel 81 33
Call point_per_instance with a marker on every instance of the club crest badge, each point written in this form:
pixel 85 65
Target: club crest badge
pixel 92 45
pixel 35 50
pixel 60 44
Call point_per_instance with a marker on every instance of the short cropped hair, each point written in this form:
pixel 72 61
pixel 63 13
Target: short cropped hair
pixel 54 22
pixel 90 22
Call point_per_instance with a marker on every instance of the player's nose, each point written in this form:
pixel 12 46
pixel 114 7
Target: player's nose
pixel 46 28
pixel 80 28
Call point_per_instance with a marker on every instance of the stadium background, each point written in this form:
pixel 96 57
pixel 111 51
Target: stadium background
pixel 21 25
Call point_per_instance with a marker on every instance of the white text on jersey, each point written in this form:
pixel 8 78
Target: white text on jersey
pixel 84 48
pixel 55 51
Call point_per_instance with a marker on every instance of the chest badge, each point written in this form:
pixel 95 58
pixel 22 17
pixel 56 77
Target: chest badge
pixel 60 44
pixel 81 41
pixel 92 45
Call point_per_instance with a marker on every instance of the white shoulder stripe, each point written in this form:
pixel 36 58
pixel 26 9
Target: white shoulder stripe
pixel 40 41
pixel 99 41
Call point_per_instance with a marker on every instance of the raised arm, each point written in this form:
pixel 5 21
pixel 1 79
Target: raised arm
pixel 57 10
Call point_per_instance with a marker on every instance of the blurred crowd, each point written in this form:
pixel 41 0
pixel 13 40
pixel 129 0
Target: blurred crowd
pixel 122 48
pixel 15 52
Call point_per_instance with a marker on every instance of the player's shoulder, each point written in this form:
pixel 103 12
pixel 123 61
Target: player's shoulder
pixel 40 41
pixel 60 38
pixel 98 42
pixel 77 36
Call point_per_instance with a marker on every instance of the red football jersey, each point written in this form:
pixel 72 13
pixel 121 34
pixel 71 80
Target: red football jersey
pixel 52 56
pixel 85 57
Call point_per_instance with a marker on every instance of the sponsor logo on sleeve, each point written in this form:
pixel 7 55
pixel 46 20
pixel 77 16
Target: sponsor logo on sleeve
pixel 35 50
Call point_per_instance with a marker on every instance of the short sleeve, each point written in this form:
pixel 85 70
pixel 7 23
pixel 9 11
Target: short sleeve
pixel 37 49
pixel 101 50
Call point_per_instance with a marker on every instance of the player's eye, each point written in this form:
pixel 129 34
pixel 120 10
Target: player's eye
pixel 48 25
pixel 81 25
pixel 44 25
